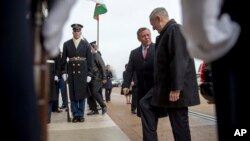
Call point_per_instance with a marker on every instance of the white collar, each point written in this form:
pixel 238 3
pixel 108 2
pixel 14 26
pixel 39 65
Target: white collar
pixel 144 47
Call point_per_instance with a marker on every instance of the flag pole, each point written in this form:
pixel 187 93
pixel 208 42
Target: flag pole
pixel 100 8
pixel 98 32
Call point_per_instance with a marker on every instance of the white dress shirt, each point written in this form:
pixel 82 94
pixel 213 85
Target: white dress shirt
pixel 76 41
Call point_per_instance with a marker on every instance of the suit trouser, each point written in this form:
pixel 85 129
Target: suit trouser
pixel 134 99
pixel 96 87
pixel 149 117
pixel 107 94
pixel 56 102
pixel 92 103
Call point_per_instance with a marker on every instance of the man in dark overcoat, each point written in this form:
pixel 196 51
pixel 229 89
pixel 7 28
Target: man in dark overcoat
pixel 142 66
pixel 175 83
pixel 79 69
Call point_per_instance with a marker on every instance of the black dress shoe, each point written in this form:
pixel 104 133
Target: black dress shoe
pixel 75 119
pixel 93 112
pixel 104 110
pixel 81 119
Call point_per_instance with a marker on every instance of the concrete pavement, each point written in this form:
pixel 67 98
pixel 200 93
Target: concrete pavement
pixel 120 125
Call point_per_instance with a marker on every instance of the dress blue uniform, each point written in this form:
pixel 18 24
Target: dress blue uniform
pixel 79 66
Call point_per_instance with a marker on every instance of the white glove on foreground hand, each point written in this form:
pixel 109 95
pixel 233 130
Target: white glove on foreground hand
pixel 64 76
pixel 56 78
pixel 88 79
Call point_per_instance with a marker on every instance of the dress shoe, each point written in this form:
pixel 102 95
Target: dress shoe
pixel 93 112
pixel 75 119
pixel 81 119
pixel 104 110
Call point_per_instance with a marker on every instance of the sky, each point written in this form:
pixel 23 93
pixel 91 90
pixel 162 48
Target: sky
pixel 117 27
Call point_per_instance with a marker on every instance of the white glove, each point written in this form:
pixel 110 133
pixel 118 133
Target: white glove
pixel 88 79
pixel 64 76
pixel 56 78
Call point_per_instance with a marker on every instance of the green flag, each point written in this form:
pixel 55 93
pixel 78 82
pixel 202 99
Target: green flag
pixel 99 9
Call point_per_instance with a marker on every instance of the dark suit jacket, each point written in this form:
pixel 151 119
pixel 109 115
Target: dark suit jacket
pixel 174 69
pixel 144 70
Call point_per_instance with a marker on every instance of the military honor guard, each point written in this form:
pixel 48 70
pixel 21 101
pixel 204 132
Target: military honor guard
pixel 77 52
